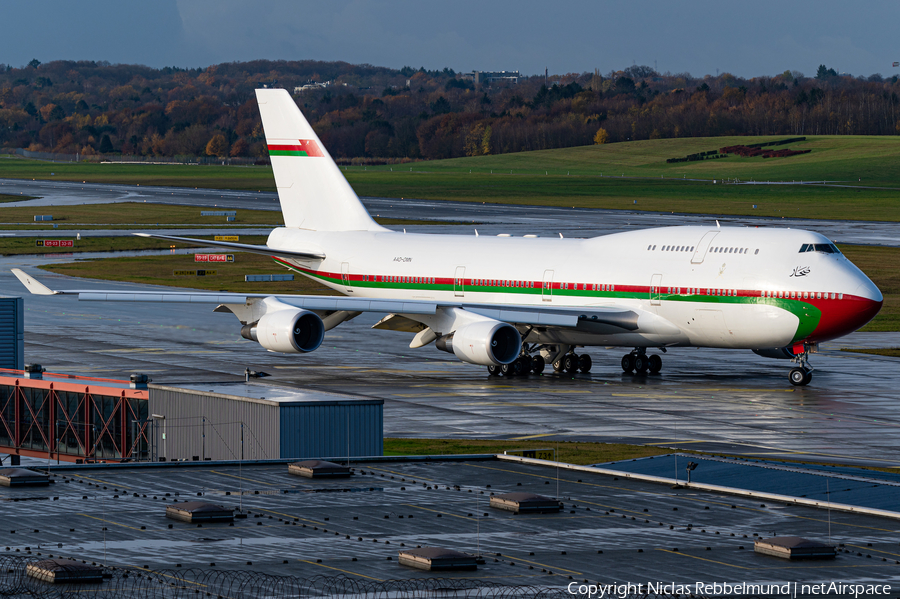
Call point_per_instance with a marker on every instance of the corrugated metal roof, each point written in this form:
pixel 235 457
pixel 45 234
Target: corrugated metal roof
pixel 853 486
pixel 261 392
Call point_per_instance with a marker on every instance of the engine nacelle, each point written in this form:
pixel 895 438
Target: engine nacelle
pixel 287 331
pixel 486 342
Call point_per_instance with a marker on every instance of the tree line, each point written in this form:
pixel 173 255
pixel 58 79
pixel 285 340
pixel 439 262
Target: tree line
pixel 376 113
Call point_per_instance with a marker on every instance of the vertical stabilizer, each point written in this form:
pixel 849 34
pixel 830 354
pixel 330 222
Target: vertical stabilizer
pixel 311 188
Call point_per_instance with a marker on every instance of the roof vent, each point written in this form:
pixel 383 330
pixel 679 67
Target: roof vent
pixel 437 558
pixel 139 381
pixel 524 503
pixel 64 571
pixel 20 477
pixel 34 371
pixel 319 469
pixel 794 548
pixel 199 511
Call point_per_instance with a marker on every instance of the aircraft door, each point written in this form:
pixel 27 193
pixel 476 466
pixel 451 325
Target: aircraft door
pixel 702 247
pixel 547 288
pixel 345 275
pixel 459 281
pixel 655 289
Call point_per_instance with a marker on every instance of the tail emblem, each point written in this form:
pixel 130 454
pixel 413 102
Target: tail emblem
pixel 303 147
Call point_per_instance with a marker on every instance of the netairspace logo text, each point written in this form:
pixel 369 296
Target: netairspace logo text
pixel 790 589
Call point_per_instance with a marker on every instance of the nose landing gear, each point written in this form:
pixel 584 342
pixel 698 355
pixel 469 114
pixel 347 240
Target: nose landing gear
pixel 802 374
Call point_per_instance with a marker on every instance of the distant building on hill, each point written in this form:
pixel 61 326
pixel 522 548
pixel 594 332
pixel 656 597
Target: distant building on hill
pixel 489 77
pixel 311 86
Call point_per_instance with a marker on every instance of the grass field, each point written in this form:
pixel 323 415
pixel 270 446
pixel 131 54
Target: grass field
pixel 135 213
pixel 891 352
pixel 572 453
pixel 5 197
pixel 572 177
pixel 139 215
pixel 877 262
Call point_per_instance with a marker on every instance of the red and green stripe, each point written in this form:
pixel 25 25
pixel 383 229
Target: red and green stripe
pixel 303 147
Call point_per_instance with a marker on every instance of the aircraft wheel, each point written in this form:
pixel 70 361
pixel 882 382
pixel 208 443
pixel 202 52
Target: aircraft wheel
pixel 654 362
pixel 584 363
pixel 570 363
pixel 800 377
pixel 506 369
pixel 493 370
pixel 640 364
pixel 627 363
pixel 537 364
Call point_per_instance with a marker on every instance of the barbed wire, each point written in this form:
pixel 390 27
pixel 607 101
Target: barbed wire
pixel 136 583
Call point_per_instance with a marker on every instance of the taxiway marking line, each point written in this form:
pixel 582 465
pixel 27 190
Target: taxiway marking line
pixel 199 584
pixel 401 474
pixel 532 436
pixel 872 549
pixel 97 480
pixel 419 507
pixel 289 516
pixel 306 561
pixel 111 522
pixel 705 559
pixel 243 478
pixel 540 564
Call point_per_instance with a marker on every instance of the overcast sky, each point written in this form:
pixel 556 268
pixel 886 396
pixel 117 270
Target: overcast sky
pixel 747 38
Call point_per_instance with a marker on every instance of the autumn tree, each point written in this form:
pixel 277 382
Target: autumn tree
pixel 601 136
pixel 217 146
pixel 240 148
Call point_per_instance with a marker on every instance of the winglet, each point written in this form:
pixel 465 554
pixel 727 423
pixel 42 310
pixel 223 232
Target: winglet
pixel 32 284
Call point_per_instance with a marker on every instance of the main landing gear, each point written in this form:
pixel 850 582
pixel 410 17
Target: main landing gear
pixel 639 362
pixel 531 361
pixel 802 374
pixel 572 363
pixel 521 366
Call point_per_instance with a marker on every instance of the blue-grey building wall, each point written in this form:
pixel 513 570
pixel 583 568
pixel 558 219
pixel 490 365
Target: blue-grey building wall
pixel 332 429
pixel 12 332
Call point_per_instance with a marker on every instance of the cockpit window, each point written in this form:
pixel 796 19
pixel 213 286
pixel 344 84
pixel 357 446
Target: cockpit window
pixel 825 248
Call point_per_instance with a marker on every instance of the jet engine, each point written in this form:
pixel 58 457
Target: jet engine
pixel 289 331
pixel 485 342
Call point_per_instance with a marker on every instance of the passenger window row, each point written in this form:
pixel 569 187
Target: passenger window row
pixel 731 250
pixel 802 295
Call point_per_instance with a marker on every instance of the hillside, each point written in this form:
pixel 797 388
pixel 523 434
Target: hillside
pixel 372 115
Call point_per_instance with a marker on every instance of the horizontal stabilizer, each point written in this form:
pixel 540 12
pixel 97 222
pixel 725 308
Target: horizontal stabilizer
pixel 241 247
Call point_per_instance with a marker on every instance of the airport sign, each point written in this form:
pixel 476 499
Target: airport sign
pixel 213 257
pixel 55 243
pixel 227 237
pixel 194 273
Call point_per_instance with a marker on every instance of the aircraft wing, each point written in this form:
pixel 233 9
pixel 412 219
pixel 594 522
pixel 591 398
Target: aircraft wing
pixel 619 317
pixel 241 247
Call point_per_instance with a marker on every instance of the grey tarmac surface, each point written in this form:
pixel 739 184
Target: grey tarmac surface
pixel 707 400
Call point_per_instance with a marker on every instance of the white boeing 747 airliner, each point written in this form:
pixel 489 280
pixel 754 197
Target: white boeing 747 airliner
pixel 516 304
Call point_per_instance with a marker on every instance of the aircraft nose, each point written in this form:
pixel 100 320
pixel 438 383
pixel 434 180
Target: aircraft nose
pixel 869 291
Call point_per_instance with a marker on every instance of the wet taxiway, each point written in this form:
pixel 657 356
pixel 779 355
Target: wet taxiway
pixel 711 400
